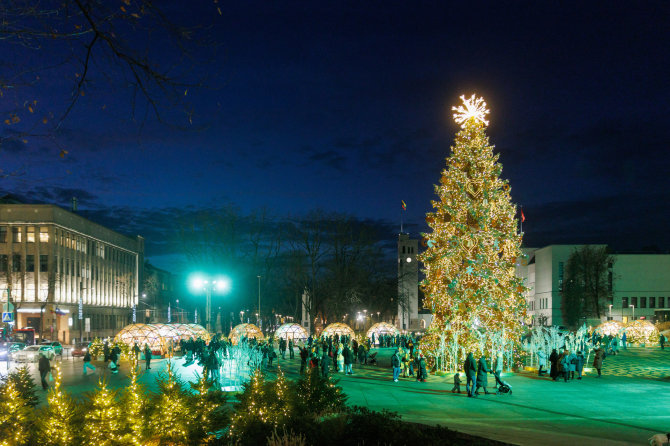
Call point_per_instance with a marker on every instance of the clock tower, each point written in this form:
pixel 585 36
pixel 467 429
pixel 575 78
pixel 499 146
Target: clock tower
pixel 408 283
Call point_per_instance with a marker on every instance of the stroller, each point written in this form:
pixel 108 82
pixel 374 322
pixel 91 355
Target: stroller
pixel 372 360
pixel 505 388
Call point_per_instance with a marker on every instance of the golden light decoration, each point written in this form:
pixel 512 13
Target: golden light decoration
pixel 338 328
pixel 610 328
pixel 248 331
pixel 291 331
pixel 641 332
pixel 473 108
pixel 382 328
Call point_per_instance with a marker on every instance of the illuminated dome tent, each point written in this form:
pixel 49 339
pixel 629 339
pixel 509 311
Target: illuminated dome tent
pixel 612 328
pixel 339 329
pixel 160 336
pixel 291 331
pixel 641 332
pixel 245 330
pixel 141 334
pixel 382 328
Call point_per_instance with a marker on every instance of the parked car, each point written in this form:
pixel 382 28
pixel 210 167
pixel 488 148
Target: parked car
pixel 32 353
pixel 7 348
pixel 58 348
pixel 79 349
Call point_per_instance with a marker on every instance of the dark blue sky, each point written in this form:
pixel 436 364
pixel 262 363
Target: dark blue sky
pixel 346 107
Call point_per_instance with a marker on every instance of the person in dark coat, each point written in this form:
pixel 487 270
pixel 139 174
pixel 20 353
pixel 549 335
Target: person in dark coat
pixel 580 364
pixel 348 360
pixel 598 356
pixel 304 354
pixel 422 373
pixel 553 359
pixel 87 362
pixel 470 369
pixel 44 367
pixel 325 363
pixel 457 384
pixel 482 380
pixel 282 347
pixel 147 357
pixel 661 340
pixel 290 349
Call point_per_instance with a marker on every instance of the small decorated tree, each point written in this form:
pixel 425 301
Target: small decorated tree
pixel 102 419
pixel 470 285
pixel 15 416
pixel 55 426
pixel 171 420
pixel 134 407
pixel 25 385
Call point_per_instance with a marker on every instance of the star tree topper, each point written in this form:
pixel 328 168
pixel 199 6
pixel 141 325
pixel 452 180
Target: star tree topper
pixel 474 108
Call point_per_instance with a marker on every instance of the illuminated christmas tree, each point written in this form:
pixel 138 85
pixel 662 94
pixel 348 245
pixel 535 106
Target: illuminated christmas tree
pixel 171 420
pixel 470 286
pixel 208 408
pixel 55 422
pixel 14 416
pixel 25 385
pixel 133 403
pixel 102 421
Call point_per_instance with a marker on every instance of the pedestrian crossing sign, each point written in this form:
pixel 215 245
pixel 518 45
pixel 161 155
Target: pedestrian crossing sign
pixel 7 317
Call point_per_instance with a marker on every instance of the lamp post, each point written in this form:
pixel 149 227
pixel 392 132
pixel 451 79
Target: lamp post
pixel 200 284
pixel 610 311
pixel 633 307
pixel 260 324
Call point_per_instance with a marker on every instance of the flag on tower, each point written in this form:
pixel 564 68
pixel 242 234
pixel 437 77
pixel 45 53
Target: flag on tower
pixel 523 217
pixel 404 206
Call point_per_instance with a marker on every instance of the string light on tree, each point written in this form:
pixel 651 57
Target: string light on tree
pixel 14 416
pixel 103 417
pixel 55 423
pixel 470 286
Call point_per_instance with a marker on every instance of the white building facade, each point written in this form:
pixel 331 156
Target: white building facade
pixel 640 284
pixel 58 267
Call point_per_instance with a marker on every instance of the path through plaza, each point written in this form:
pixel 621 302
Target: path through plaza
pixel 625 407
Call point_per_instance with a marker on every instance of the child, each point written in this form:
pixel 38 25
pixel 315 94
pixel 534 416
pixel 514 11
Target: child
pixel 457 384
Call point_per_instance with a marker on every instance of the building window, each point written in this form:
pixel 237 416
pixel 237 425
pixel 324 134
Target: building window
pixel 624 302
pixel 16 235
pixel 560 276
pixel 4 263
pixel 44 263
pixel 661 302
pixel 44 234
pixel 643 302
pixel 30 263
pixel 16 263
pixel 30 234
pixel 652 302
pixel 633 301
pixel 3 234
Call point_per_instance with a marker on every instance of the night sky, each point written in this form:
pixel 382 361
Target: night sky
pixel 346 107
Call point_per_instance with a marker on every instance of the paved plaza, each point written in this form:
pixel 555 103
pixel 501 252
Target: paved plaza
pixel 624 407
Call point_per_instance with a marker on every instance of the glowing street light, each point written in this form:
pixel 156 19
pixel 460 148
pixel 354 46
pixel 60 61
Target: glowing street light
pixel 201 283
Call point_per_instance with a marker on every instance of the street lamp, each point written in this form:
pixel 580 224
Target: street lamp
pixel 221 285
pixel 633 307
pixel 610 311
pixel 260 325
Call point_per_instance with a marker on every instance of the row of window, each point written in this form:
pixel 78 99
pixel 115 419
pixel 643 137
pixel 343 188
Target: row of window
pixel 30 263
pixel 67 240
pixel 644 302
pixel 17 234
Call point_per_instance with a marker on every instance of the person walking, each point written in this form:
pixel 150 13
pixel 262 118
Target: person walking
pixel 395 363
pixel 661 340
pixel 598 357
pixel 470 369
pixel 553 359
pixel 541 362
pixel 572 364
pixel 282 347
pixel 325 363
pixel 44 366
pixel 87 362
pixel 498 369
pixel 579 367
pixel 147 357
pixel 482 379
pixel 422 373
pixel 348 360
pixel 304 354
pixel 624 340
